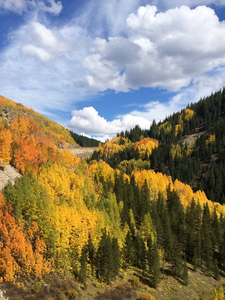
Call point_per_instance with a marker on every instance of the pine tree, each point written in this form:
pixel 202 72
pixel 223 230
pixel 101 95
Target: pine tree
pixel 90 252
pixel 175 258
pixel 83 266
pixel 153 262
pixel 184 275
pixel 190 217
pixel 104 259
pixel 115 257
pixel 140 253
pixel 206 243
pixel 128 251
pixel 216 270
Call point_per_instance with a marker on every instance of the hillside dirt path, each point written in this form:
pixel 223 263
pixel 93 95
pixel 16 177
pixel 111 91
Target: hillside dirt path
pixel 82 152
pixel 10 174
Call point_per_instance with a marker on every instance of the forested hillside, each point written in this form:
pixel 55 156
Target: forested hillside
pixel 129 209
pixel 190 147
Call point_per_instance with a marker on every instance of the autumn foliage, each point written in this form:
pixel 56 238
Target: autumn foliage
pixel 22 252
pixel 145 146
pixel 83 218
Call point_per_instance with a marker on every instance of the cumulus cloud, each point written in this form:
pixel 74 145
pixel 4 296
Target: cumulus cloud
pixel 124 46
pixel 165 4
pixel 168 44
pixel 45 43
pixel 89 122
pixel 19 6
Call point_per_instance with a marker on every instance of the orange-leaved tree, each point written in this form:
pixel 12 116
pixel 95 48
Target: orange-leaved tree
pixel 19 256
pixel 5 146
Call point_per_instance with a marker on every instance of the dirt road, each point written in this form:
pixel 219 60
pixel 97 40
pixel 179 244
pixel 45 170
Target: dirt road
pixel 83 152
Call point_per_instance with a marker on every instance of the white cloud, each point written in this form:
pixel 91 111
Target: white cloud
pixel 47 38
pixel 54 7
pixel 16 6
pixel 121 47
pixel 89 122
pixel 45 43
pixel 165 4
pixel 38 52
pixel 168 44
pixel 19 6
pixel 201 87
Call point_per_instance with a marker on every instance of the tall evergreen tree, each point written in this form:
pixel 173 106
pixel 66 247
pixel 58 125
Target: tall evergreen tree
pixel 83 267
pixel 104 259
pixel 206 242
pixel 153 263
pixel 115 257
pixel 184 274
pixel 128 251
pixel 91 252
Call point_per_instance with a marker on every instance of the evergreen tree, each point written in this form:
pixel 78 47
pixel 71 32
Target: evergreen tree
pixel 83 267
pixel 175 258
pixel 128 251
pixel 206 243
pixel 140 253
pixel 90 252
pixel 153 263
pixel 184 275
pixel 115 257
pixel 104 259
pixel 216 270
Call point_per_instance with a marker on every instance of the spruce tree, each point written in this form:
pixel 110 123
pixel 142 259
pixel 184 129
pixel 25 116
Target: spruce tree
pixel 153 262
pixel 83 267
pixel 206 243
pixel 140 252
pixel 216 270
pixel 104 259
pixel 128 251
pixel 91 252
pixel 115 257
pixel 184 275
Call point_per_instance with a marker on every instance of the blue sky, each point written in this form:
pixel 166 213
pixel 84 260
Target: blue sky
pixel 102 66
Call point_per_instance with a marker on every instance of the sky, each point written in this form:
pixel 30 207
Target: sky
pixel 99 67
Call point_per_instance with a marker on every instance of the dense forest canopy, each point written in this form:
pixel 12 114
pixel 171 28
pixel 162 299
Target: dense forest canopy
pixel 147 200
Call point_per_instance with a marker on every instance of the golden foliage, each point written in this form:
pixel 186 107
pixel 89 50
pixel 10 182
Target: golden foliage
pixel 211 140
pixel 113 146
pixel 157 182
pixel 166 127
pixel 145 146
pixel 146 296
pixel 178 128
pixel 218 294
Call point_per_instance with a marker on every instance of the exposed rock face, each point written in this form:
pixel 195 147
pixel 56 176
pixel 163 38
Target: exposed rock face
pixel 8 174
pixel 2 295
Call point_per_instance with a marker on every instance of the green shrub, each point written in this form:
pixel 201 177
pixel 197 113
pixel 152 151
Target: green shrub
pixel 71 293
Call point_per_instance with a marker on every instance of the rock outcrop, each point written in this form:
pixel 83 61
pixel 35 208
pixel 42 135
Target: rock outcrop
pixel 8 173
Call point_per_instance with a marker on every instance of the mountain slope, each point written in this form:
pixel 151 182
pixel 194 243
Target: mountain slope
pixel 191 147
pixel 9 110
pixel 74 222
